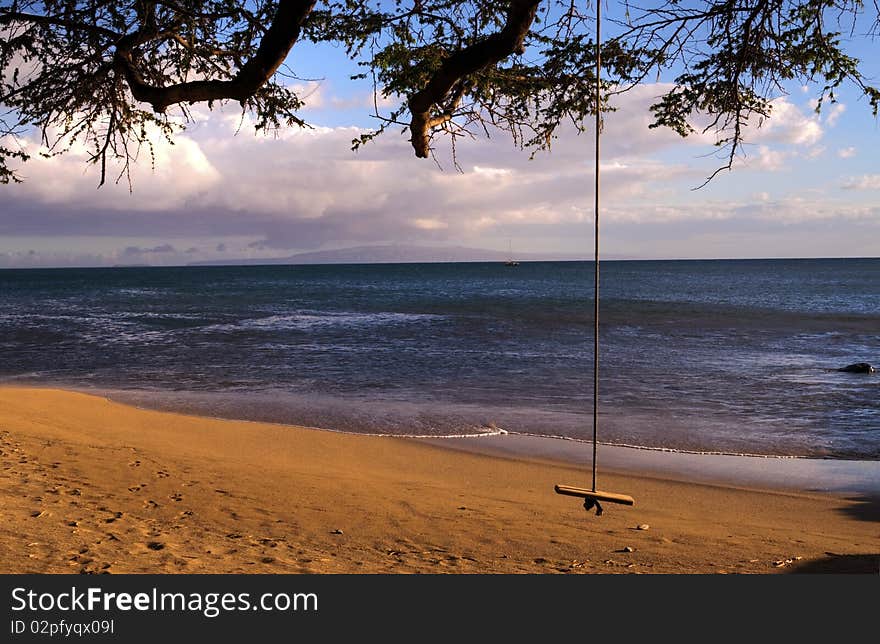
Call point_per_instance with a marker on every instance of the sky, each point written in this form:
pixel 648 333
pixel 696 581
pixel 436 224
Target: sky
pixel 807 185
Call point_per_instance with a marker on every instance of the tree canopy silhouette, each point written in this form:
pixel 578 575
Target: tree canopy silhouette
pixel 106 73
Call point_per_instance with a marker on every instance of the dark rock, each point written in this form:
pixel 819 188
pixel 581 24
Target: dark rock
pixel 858 367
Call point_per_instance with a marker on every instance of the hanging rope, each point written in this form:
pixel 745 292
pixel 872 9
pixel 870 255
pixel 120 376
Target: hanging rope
pixel 591 497
pixel 596 251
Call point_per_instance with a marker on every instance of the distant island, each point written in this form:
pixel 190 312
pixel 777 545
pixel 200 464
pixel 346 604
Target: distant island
pixel 394 254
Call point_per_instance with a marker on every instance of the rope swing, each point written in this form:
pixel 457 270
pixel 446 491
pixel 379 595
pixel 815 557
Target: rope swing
pixel 592 496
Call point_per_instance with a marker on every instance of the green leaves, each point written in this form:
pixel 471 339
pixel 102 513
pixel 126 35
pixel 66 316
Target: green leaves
pixel 70 69
pixel 738 57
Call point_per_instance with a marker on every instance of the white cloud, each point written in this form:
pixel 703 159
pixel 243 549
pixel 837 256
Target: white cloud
pixel 305 188
pixel 492 172
pixel 865 182
pixel 177 173
pixel 429 224
pixel 312 94
pixel 767 159
pixel 834 114
pixel 846 153
pixel 792 210
pixel 788 124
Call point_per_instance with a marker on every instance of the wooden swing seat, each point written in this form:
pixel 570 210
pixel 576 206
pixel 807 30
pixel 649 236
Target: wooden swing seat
pixel 585 493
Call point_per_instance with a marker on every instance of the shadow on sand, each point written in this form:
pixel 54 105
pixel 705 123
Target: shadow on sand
pixel 865 508
pixel 841 564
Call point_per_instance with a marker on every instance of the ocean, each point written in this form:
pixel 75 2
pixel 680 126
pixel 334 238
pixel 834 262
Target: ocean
pixel 716 356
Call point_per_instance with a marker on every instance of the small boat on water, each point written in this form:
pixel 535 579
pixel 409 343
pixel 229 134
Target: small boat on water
pixel 510 260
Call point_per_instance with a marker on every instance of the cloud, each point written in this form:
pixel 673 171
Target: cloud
pixel 865 182
pixel 834 114
pixel 768 159
pixel 787 124
pixel 492 173
pixel 177 173
pixel 430 224
pixel 37 259
pixel 313 94
pixel 788 211
pixel 846 153
pixel 135 251
pixel 305 188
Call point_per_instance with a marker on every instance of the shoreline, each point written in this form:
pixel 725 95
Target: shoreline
pixel 755 472
pixel 182 402
pixel 804 473
pixel 91 485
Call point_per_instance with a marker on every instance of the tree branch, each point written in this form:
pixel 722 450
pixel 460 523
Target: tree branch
pixel 7 17
pixel 488 51
pixel 274 47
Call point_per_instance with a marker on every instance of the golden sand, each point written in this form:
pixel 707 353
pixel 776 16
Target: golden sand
pixel 89 485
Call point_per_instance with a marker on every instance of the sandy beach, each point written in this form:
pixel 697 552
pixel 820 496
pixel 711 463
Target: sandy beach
pixel 93 486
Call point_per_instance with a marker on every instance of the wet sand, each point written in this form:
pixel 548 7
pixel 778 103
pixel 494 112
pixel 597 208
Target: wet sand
pixel 90 486
pixel 772 473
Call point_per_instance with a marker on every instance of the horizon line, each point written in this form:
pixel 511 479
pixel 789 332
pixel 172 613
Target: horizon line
pixel 269 262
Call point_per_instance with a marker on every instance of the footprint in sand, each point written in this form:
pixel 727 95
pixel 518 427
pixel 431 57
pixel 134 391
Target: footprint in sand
pixel 155 545
pixel 134 464
pixel 150 504
pixel 177 496
pixel 80 557
pixel 136 488
pixel 89 566
pixel 162 474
